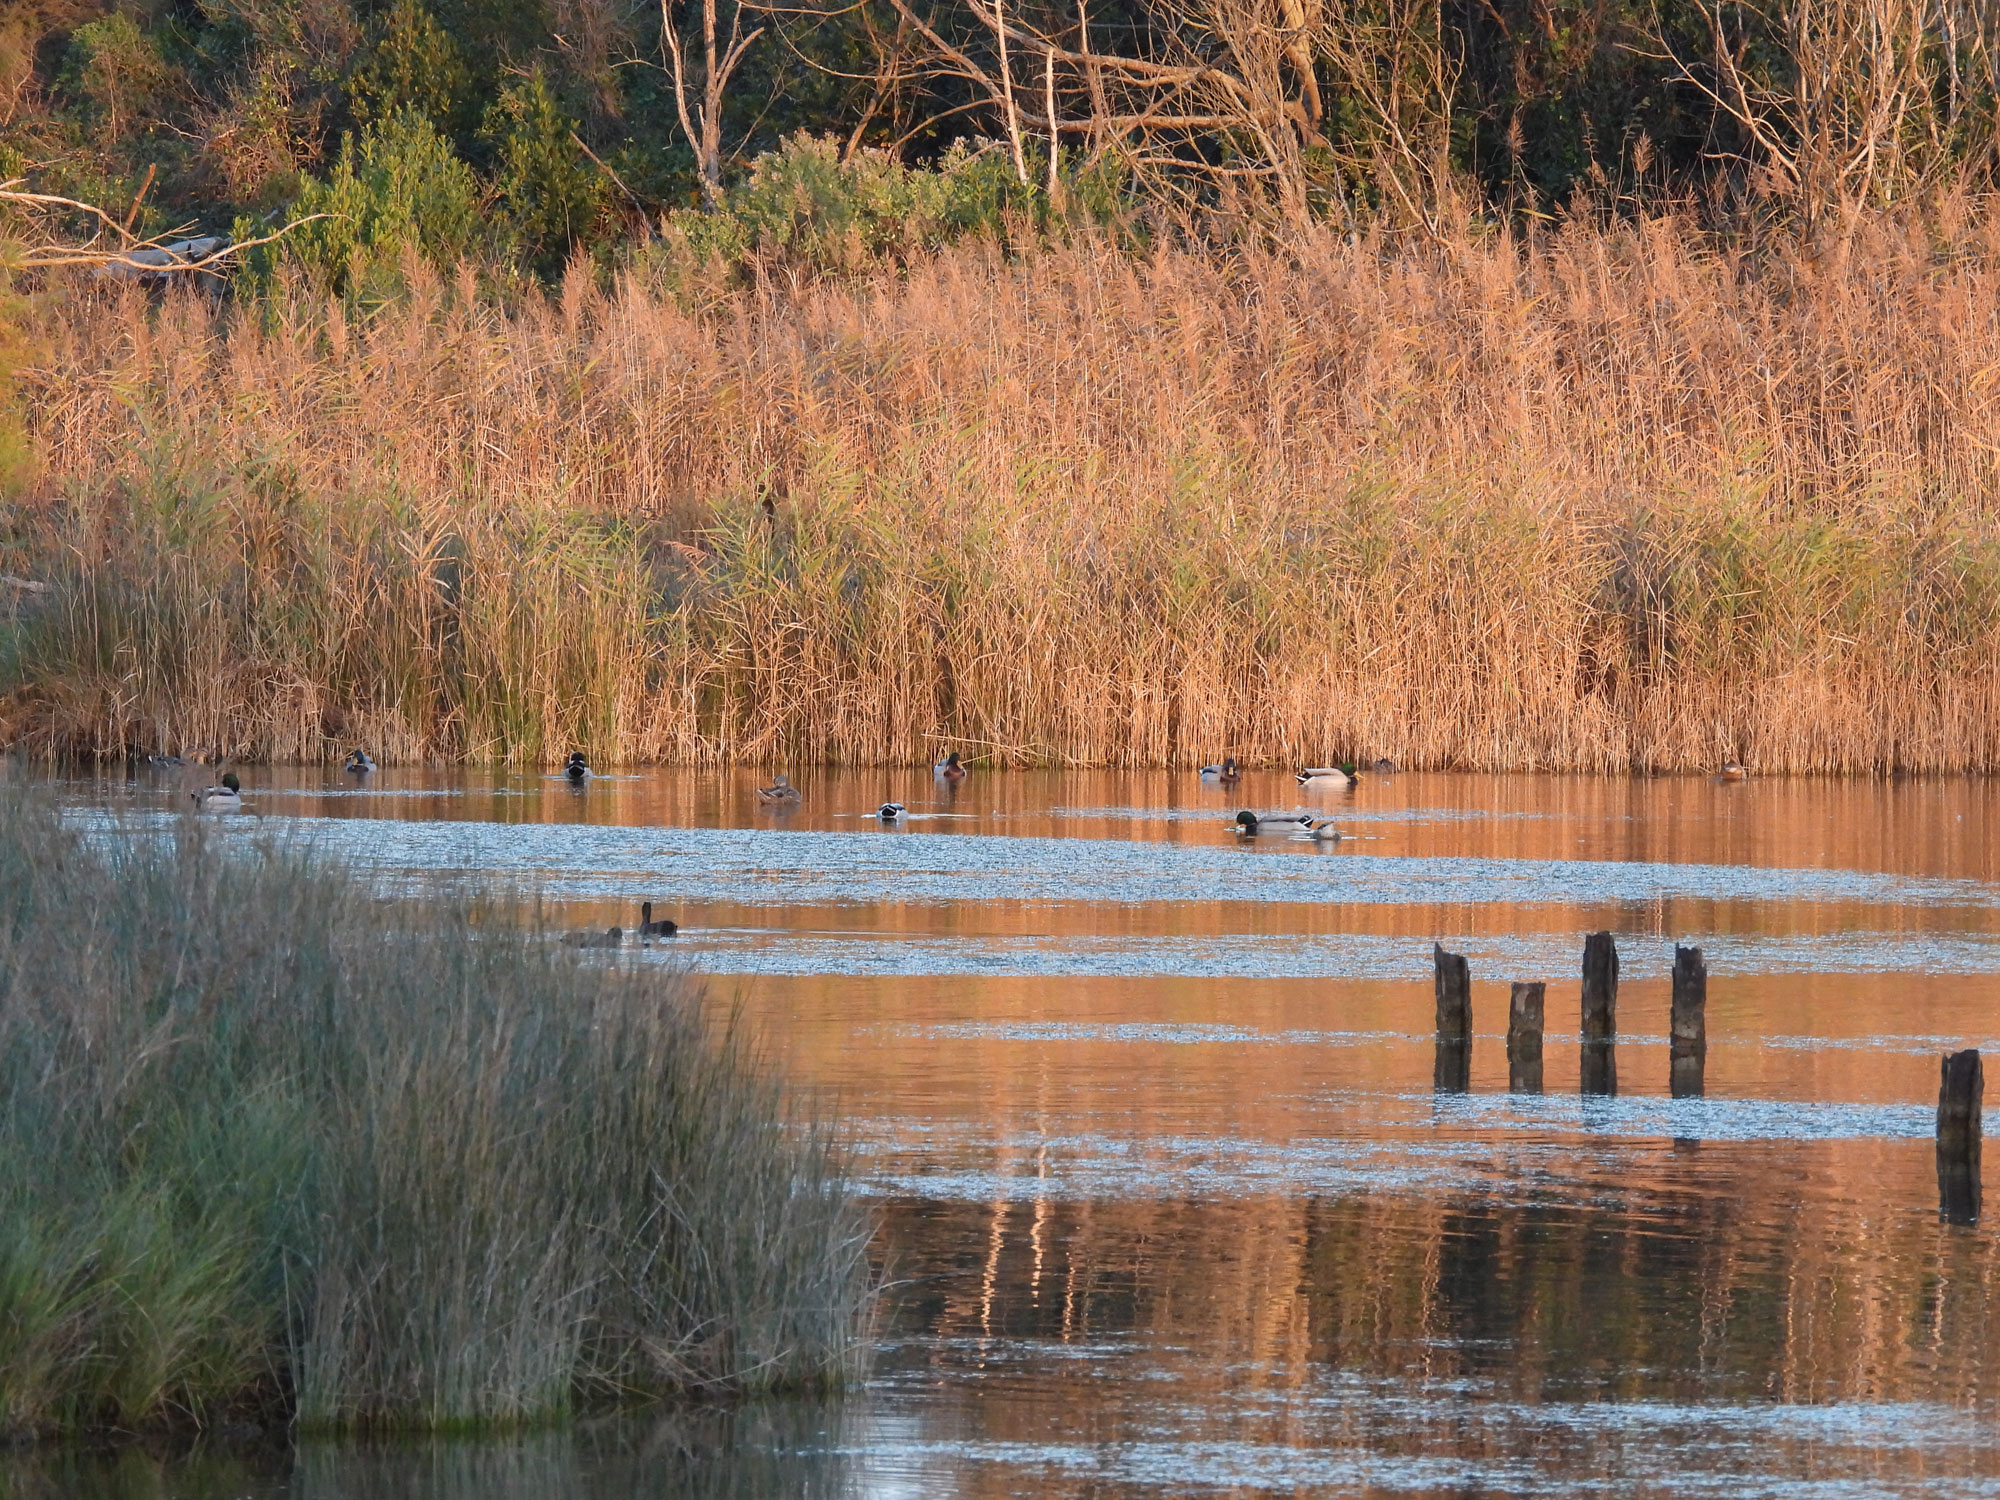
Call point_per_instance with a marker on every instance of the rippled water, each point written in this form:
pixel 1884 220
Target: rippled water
pixel 1168 1202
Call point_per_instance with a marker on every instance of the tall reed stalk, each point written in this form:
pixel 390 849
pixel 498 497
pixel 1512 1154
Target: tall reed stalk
pixel 269 1142
pixel 1616 497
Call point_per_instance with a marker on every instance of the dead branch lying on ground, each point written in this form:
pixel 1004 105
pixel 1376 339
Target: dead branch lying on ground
pixel 115 249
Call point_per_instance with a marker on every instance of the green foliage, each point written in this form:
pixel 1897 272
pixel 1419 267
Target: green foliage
pixel 552 193
pixel 1553 104
pixel 399 188
pixel 17 454
pixel 267 1142
pixel 803 205
pixel 116 68
pixel 414 65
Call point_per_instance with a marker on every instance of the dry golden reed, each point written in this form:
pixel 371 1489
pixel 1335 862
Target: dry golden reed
pixel 1620 497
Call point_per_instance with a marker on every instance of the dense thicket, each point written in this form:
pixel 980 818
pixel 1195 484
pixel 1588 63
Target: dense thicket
pixel 515 131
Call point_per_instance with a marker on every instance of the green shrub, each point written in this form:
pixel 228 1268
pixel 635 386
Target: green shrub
pixel 803 205
pixel 414 65
pixel 116 68
pixel 269 1142
pixel 552 193
pixel 397 189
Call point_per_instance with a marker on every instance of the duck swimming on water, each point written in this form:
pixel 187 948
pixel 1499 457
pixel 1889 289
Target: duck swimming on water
pixel 948 768
pixel 780 792
pixel 360 763
pixel 1325 776
pixel 227 797
pixel 1254 823
pixel 891 812
pixel 1225 774
pixel 578 770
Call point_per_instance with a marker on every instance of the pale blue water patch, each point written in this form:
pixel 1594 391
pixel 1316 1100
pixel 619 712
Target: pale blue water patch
pixel 1345 956
pixel 1081 1167
pixel 1206 1465
pixel 1514 1145
pixel 1698 1119
pixel 776 867
pixel 1334 809
pixel 1344 1433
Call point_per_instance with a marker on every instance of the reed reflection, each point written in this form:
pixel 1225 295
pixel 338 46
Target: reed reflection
pixel 764 1450
pixel 1678 1285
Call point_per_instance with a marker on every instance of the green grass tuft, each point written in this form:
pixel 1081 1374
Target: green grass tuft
pixel 269 1143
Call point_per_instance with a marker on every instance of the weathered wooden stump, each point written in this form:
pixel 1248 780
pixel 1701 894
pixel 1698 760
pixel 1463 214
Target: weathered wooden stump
pixel 1600 1014
pixel 1687 1075
pixel 1690 1009
pixel 1524 1038
pixel 1689 1025
pixel 1453 1070
pixel 1961 1087
pixel 1600 988
pixel 1599 1071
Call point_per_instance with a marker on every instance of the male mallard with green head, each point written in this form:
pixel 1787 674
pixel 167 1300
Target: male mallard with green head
pixel 1257 824
pixel 227 797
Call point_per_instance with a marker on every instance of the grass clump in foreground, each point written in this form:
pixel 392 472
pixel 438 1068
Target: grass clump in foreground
pixel 270 1144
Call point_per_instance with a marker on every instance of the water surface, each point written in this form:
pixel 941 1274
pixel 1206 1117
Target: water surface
pixel 1168 1202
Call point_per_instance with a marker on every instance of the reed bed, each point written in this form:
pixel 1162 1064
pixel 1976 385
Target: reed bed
pixel 1620 496
pixel 270 1145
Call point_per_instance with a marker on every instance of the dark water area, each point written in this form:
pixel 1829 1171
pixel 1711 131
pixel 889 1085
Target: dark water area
pixel 1168 1202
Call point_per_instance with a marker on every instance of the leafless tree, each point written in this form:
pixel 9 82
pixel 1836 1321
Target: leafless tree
pixel 1866 106
pixel 703 122
pixel 1235 72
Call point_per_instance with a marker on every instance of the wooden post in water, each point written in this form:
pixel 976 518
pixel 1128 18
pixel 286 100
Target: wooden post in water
pixel 1600 988
pixel 1600 1014
pixel 1524 1038
pixel 1689 1027
pixel 1453 1071
pixel 1961 1085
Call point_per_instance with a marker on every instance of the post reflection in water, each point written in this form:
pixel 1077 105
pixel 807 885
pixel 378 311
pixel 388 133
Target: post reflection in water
pixel 1184 1189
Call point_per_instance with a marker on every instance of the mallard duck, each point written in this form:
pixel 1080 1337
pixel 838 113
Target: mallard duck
pixel 360 763
pixel 891 812
pixel 1731 771
pixel 578 770
pixel 1323 776
pixel 1385 766
pixel 224 798
pixel 648 928
pixel 1225 774
pixel 611 937
pixel 778 792
pixel 1248 822
pixel 1326 833
pixel 948 769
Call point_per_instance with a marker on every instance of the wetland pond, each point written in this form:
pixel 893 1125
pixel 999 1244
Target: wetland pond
pixel 1167 1201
